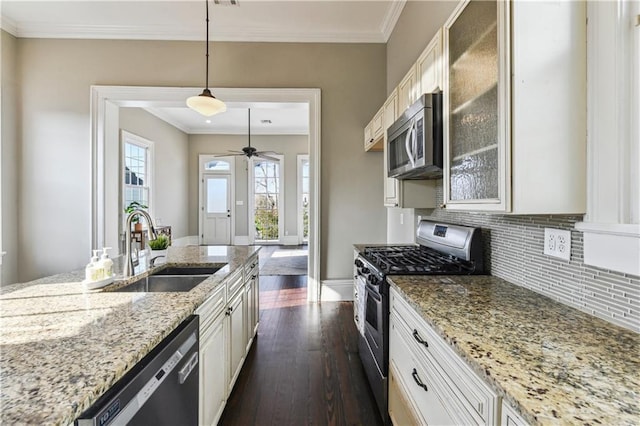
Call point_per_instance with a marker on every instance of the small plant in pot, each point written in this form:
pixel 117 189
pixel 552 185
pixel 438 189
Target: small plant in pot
pixel 160 243
pixel 134 205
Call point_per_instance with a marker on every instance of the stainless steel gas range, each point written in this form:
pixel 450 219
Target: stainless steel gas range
pixel 441 249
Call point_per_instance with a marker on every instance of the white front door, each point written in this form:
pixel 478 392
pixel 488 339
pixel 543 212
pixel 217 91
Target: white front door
pixel 216 217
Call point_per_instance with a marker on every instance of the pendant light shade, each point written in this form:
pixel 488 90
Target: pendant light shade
pixel 205 103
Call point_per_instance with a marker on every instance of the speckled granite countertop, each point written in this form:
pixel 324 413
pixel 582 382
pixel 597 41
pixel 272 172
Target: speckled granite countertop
pixel 553 363
pixel 61 346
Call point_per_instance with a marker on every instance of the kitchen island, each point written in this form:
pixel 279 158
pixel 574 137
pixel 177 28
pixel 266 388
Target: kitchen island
pixel 62 346
pixel 553 364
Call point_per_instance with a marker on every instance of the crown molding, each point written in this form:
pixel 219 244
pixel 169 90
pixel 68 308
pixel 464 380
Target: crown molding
pixel 9 25
pixel 391 19
pixel 124 32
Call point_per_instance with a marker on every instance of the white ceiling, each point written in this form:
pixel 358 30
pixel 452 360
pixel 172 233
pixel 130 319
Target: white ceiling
pixel 365 21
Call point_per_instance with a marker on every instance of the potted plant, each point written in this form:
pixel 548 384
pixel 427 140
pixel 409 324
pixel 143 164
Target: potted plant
pixel 160 243
pixel 134 205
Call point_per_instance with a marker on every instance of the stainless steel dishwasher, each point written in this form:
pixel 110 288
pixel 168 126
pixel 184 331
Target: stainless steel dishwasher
pixel 162 389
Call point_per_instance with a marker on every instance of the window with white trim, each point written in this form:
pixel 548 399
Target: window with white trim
pixel 136 170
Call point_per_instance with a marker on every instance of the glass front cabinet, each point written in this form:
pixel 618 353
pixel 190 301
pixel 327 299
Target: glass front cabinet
pixel 515 107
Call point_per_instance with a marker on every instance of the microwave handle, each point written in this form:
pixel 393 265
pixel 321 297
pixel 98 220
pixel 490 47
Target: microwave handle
pixel 409 143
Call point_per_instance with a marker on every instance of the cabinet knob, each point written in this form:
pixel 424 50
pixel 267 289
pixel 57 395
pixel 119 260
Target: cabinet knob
pixel 443 206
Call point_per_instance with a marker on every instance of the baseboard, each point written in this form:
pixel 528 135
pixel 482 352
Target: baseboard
pixel 191 240
pixel 241 240
pixel 337 290
pixel 290 240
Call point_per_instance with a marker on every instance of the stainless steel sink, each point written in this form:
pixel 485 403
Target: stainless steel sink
pixel 163 283
pixel 170 279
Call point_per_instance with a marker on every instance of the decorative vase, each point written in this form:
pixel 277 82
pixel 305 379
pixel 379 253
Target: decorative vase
pixel 137 227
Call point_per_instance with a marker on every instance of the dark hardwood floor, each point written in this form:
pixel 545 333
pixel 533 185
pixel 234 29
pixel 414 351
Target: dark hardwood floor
pixel 304 368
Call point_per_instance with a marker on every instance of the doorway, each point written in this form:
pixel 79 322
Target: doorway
pixel 216 195
pixel 105 101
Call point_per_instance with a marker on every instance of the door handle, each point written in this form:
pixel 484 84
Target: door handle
pixel 409 143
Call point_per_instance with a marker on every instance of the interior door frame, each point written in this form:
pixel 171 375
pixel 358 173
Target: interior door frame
pixel 251 214
pixel 300 158
pixel 105 101
pixel 202 159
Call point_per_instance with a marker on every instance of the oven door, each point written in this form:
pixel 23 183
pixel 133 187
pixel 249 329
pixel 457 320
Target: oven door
pixel 375 319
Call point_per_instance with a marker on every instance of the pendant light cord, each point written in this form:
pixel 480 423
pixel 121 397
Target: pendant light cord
pixel 207 66
pixel 249 126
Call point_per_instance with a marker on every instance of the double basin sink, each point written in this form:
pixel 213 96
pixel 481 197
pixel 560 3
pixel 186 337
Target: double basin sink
pixel 170 279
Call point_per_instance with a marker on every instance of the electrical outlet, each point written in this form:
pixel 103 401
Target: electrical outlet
pixel 557 243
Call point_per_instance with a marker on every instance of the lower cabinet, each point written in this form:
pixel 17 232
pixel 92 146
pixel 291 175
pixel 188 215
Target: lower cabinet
pixel 237 348
pixel 428 382
pixel 510 417
pixel 228 323
pixel 213 373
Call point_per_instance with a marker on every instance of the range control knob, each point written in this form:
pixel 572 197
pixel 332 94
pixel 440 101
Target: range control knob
pixel 373 279
pixel 359 263
pixel 365 271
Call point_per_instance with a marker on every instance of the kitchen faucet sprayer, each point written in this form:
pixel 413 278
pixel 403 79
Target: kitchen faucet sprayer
pixel 151 235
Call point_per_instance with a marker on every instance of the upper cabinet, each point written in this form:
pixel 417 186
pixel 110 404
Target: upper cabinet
pixel 408 90
pixel 429 66
pixel 515 107
pixel 374 133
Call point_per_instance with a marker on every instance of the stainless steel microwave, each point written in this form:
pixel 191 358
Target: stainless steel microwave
pixel 414 141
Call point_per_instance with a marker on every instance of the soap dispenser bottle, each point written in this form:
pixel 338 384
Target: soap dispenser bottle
pixel 91 271
pixel 106 264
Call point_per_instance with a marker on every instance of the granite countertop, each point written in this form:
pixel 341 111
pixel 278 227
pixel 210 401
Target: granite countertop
pixel 552 363
pixel 62 346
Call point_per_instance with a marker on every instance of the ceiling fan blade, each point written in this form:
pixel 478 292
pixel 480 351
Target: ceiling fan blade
pixel 268 152
pixel 266 157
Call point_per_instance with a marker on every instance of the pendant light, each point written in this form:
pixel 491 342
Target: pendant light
pixel 205 103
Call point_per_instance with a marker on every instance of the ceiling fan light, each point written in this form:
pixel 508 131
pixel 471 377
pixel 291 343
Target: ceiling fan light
pixel 206 104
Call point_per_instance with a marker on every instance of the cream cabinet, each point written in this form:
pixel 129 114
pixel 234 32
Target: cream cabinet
pixel 237 333
pixel 374 133
pixel 213 371
pixel 252 299
pixel 515 107
pixel 429 382
pixel 429 66
pixel 408 90
pixel 228 322
pixel 390 114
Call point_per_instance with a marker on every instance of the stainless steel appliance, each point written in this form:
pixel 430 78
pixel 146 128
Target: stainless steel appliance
pixel 442 249
pixel 414 141
pixel 162 389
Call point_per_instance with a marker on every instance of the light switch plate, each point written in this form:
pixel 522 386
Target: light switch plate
pixel 557 243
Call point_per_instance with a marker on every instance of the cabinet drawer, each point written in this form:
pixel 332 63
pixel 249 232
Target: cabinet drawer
pixel 234 284
pixel 250 267
pixel 478 398
pixel 425 390
pixel 211 307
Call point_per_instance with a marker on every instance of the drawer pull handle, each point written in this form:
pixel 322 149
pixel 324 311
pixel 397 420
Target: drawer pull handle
pixel 418 381
pixel 419 339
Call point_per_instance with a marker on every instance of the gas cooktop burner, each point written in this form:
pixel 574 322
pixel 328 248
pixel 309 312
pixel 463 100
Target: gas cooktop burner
pixel 416 260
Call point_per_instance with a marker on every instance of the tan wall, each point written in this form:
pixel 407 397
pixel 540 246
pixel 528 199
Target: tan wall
pixel 170 165
pixel 289 146
pixel 416 26
pixel 56 76
pixel 10 155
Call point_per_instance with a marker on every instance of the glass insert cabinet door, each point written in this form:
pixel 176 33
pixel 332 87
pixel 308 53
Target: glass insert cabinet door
pixel 475 82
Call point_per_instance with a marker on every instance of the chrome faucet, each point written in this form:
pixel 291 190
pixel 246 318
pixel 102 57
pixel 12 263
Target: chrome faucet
pixel 151 234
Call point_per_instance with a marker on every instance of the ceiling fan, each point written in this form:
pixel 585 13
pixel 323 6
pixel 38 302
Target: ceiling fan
pixel 249 151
